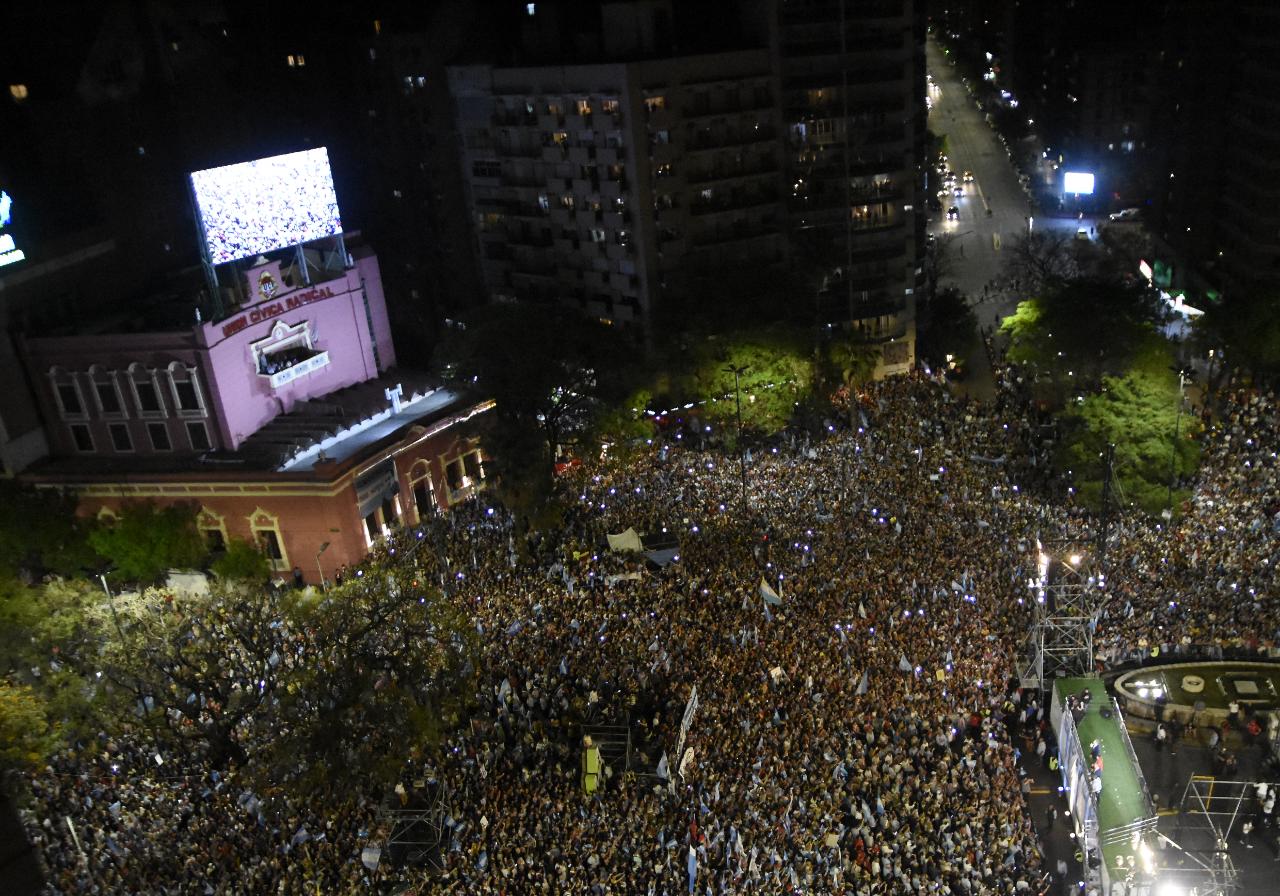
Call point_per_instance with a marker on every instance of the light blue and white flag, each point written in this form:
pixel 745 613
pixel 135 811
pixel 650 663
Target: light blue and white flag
pixel 770 596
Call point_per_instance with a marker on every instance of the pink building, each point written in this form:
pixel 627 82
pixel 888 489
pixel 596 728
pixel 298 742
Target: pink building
pixel 283 422
pixel 209 386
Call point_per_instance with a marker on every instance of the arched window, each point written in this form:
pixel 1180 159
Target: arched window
pixel 213 526
pixel 423 489
pixel 66 392
pixel 106 392
pixel 146 391
pixel 187 395
pixel 266 532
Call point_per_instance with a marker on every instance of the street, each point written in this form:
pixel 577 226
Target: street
pixel 976 255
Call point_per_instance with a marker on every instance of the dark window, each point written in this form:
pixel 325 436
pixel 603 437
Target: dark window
pixel 214 541
pixel 472 465
pixel 159 433
pixel 148 397
pixel 107 398
pixel 120 438
pixel 70 398
pixel 371 525
pixel 389 512
pixel 453 473
pixel 186 395
pixel 270 544
pixel 422 499
pixel 199 436
pixel 84 438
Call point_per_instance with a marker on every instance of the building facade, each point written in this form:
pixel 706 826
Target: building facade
pixel 614 186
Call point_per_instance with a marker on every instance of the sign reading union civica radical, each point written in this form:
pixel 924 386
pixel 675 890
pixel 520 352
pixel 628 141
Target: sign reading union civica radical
pixel 268 310
pixel 9 251
pixel 267 204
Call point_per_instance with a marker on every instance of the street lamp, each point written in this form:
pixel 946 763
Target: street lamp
pixel 738 370
pixel 1177 422
pixel 323 547
pixel 111 602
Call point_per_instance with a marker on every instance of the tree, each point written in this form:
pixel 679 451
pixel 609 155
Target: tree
pixel 779 372
pixel 1245 331
pixel 145 541
pixel 26 737
pixel 548 369
pixel 40 533
pixel 1040 259
pixel 947 326
pixel 1078 330
pixel 1138 413
pixel 242 561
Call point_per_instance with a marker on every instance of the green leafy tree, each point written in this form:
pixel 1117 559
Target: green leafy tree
pixel 780 371
pixel 26 736
pixel 242 562
pixel 145 541
pixel 39 532
pixel 1077 331
pixel 1138 413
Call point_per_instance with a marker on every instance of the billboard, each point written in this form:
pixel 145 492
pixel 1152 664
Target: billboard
pixel 1077 182
pixel 254 207
pixel 9 251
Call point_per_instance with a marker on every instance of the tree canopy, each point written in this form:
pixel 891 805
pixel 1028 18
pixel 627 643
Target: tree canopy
pixel 39 532
pixel 1079 330
pixel 144 541
pixel 1138 412
pixel 548 369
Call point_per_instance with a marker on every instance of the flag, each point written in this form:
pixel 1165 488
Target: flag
pixel 862 684
pixel 904 664
pixel 664 770
pixel 514 628
pixel 768 617
pixel 862 611
pixel 564 665
pixel 504 690
pixel 693 868
pixel 770 596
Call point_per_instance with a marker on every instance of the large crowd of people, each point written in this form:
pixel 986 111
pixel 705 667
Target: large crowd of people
pixel 852 627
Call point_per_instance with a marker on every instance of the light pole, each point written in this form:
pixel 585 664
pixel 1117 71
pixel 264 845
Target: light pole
pixel 1177 422
pixel 111 602
pixel 323 547
pixel 738 370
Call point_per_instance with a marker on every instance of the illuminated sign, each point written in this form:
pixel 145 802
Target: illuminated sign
pixel 268 310
pixel 256 207
pixel 1144 269
pixel 9 251
pixel 1078 182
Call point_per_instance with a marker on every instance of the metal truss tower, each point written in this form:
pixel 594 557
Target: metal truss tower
pixel 1064 592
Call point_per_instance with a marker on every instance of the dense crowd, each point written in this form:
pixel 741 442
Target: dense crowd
pixel 851 733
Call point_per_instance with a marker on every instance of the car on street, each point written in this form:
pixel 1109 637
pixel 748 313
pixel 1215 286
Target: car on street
pixel 1082 233
pixel 968 177
pixel 953 213
pixel 1126 214
pixel 959 191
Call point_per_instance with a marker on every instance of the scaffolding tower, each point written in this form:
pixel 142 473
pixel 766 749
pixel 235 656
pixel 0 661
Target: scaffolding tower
pixel 1065 592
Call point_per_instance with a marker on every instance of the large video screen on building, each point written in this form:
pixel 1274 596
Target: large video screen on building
pixel 1077 182
pixel 254 207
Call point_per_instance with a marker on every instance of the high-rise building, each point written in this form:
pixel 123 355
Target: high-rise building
pixel 1218 206
pixel 612 186
pixel 642 184
pixel 852 79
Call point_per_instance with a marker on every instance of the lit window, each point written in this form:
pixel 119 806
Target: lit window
pixel 531 8
pixel 654 103
pixel 18 92
pixel 584 107
pixel 609 106
pixel 292 61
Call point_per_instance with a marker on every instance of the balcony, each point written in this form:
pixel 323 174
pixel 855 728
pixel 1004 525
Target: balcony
pixel 766 166
pixel 735 201
pixel 286 366
pixel 708 140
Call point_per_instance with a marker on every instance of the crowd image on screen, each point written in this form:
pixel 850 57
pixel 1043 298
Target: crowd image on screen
pixel 259 206
pixel 858 723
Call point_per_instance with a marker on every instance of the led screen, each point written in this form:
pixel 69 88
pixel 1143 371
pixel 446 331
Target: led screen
pixel 254 207
pixel 1077 182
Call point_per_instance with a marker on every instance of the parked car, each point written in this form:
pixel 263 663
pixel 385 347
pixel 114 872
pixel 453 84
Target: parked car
pixel 1082 233
pixel 1126 214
